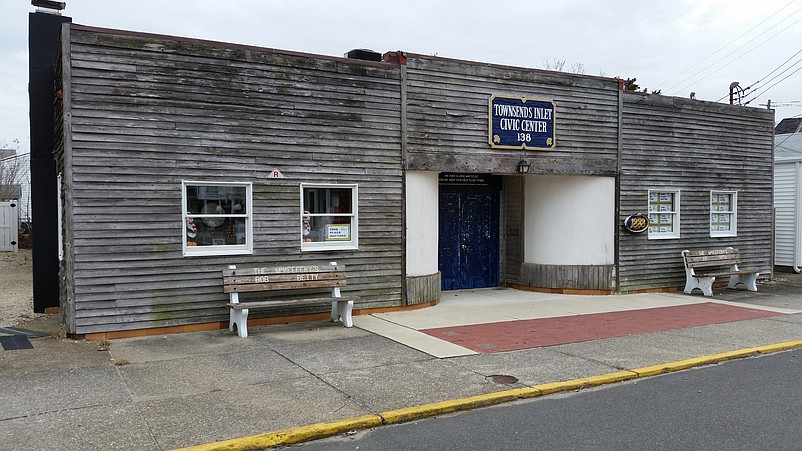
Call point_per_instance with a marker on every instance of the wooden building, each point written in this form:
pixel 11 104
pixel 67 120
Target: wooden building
pixel 160 131
pixel 178 157
pixel 617 154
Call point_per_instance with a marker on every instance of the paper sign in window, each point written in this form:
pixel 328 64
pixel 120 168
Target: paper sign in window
pixel 338 232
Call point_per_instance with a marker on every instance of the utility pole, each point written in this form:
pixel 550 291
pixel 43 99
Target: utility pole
pixel 735 87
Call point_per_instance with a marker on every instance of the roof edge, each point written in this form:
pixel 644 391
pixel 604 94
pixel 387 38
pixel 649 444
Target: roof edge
pixel 145 35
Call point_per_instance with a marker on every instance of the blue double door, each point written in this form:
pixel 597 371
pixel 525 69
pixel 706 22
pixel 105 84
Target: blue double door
pixel 469 239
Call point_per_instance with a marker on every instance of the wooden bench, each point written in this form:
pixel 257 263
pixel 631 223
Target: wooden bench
pixel 716 258
pixel 285 279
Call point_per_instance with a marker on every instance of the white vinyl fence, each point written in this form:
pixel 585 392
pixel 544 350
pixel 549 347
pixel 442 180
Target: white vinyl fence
pixel 9 226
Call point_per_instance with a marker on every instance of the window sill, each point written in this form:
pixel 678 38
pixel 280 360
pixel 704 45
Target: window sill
pixel 215 252
pixel 329 247
pixel 723 235
pixel 663 237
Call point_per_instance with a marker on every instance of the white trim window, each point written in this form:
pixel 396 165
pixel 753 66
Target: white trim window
pixel 723 213
pixel 329 217
pixel 663 214
pixel 216 218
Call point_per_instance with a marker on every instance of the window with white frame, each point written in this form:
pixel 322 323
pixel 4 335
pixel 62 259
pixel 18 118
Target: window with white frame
pixel 328 217
pixel 217 218
pixel 663 214
pixel 723 213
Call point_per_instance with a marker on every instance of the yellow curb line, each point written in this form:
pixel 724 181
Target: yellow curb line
pixel 780 346
pixel 690 363
pixel 291 435
pixel 321 430
pixel 714 358
pixel 584 382
pixel 472 402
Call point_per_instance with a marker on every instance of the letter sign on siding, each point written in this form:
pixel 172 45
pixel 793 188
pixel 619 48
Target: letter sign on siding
pixel 521 123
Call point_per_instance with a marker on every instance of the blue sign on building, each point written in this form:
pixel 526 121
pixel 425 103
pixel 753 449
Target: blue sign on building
pixel 521 123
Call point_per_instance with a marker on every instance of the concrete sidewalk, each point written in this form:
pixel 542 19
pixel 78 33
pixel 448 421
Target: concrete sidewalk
pixel 165 392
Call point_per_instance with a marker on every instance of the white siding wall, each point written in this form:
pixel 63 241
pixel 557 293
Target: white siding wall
pixel 786 203
pixel 422 222
pixel 569 220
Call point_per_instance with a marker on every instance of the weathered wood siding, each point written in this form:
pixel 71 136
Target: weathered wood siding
pixel 694 147
pixel 568 277
pixel 447 118
pixel 63 155
pixel 512 220
pixel 447 130
pixel 150 111
pixel 422 289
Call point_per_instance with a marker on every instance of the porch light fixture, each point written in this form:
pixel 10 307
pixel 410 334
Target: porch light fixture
pixel 523 166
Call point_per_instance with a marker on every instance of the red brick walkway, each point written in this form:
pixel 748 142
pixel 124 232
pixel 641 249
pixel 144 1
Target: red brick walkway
pixel 533 333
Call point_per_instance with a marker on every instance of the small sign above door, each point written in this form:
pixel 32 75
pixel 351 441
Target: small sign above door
pixel 450 181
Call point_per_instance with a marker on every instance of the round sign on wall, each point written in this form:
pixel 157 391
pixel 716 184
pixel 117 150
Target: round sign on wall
pixel 637 223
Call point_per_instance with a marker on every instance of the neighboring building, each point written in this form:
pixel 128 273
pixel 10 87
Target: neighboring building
pixel 21 188
pixel 178 157
pixel 788 195
pixel 10 193
pixel 7 191
pixel 789 125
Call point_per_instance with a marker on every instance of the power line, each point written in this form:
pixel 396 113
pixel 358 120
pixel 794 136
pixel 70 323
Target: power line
pixel 789 134
pixel 737 49
pixel 774 70
pixel 776 145
pixel 683 82
pixel 16 155
pixel 775 84
pixel 780 144
pixel 784 71
pixel 727 45
pixel 782 103
pixel 755 48
pixel 781 65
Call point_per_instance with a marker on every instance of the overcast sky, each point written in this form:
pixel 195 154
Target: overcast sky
pixel 678 46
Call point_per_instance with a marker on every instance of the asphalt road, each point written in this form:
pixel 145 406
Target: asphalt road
pixel 749 404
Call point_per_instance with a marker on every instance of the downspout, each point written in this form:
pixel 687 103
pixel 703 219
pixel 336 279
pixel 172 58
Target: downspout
pixel 797 197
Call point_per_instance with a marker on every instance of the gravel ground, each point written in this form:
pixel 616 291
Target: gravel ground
pixel 16 288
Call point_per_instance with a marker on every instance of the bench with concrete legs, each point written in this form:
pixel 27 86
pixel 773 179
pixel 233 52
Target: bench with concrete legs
pixel 283 280
pixel 725 261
